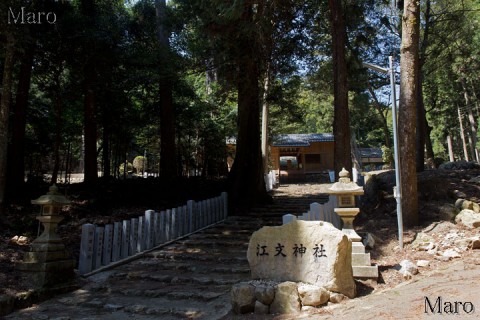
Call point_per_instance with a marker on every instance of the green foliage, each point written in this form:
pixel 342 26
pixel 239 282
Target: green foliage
pixel 122 168
pixel 139 163
pixel 387 156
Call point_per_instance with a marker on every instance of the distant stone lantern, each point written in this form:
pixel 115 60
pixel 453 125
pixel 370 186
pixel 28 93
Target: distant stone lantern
pixel 345 190
pixel 48 264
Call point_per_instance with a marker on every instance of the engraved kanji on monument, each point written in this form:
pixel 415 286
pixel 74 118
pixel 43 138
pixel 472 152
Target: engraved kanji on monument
pixel 313 252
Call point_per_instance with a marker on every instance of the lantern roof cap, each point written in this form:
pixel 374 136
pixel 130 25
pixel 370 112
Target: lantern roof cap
pixel 345 185
pixel 53 197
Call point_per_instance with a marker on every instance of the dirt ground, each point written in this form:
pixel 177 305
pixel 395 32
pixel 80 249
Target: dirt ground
pixel 378 217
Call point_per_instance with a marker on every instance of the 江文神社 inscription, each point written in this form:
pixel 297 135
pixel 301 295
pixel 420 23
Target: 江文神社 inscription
pixel 312 252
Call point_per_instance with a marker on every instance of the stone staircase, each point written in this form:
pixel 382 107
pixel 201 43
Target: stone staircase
pixel 190 278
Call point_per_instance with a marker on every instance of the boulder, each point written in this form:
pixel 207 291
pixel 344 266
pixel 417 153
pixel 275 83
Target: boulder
pixel 451 253
pixel 468 218
pixel 423 263
pixel 261 308
pixel 286 298
pixel 408 268
pixel 461 204
pixel 265 293
pixel 448 212
pixel 243 298
pixel 423 242
pixel 337 297
pixel 311 295
pixel 312 252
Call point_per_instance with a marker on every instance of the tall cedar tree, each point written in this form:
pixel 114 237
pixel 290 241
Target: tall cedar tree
pixel 167 114
pixel 16 151
pixel 341 121
pixel 246 182
pixel 5 101
pixel 409 60
pixel 89 83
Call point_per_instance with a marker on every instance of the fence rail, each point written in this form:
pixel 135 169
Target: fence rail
pixel 319 212
pixel 103 245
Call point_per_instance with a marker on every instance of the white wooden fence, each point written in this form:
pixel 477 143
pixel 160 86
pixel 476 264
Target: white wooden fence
pixel 101 246
pixel 319 212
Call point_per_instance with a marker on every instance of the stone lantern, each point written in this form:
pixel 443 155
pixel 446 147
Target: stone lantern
pixel 345 190
pixel 48 264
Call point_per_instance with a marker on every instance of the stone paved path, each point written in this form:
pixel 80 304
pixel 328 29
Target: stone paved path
pixel 188 279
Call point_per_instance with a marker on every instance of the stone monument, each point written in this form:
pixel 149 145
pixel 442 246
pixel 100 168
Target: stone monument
pixel 313 252
pixel 48 264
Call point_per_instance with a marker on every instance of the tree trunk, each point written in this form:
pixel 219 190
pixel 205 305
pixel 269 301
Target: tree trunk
pixel 450 148
pixel 341 122
pixel 407 110
pixel 168 168
pixel 90 126
pixel 246 181
pixel 5 102
pixel 90 123
pixel 265 109
pixel 16 151
pixel 422 123
pixel 471 120
pixel 462 134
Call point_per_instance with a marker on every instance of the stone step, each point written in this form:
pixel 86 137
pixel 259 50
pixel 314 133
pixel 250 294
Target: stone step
pixel 361 259
pixel 358 247
pixel 221 258
pixel 187 267
pixel 365 272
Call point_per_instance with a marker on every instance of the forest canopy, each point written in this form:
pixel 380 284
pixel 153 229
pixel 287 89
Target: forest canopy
pixel 90 86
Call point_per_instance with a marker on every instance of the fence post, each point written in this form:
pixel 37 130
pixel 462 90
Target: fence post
pixel 191 215
pixel 168 225
pixel 117 241
pixel 225 204
pixel 141 234
pixel 156 224
pixel 86 248
pixel 163 237
pixel 133 236
pixel 149 229
pixel 125 239
pixel 107 247
pixel 98 246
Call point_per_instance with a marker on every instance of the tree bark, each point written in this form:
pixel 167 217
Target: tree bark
pixel 16 151
pixel 168 169
pixel 5 102
pixel 90 122
pixel 341 122
pixel 462 134
pixel 246 181
pixel 407 111
pixel 90 125
pixel 471 120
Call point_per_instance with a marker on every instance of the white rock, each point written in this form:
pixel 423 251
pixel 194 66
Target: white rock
pixel 303 251
pixel 337 297
pixel 286 298
pixel 468 218
pixel 311 295
pixel 451 253
pixel 423 263
pixel 408 269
